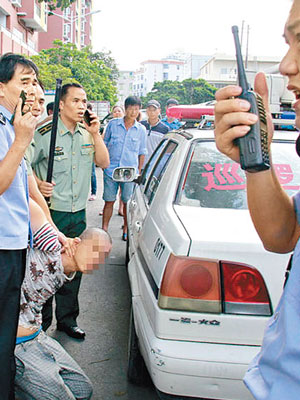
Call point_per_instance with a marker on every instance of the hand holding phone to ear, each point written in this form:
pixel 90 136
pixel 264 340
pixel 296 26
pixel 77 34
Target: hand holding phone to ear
pixel 24 125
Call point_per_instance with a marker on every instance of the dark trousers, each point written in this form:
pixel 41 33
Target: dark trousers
pixel 67 305
pixel 12 268
pixel 93 180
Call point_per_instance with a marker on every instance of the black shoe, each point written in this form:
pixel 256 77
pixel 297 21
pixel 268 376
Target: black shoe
pixel 73 331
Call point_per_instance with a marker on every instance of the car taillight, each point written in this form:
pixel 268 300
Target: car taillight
pixel 191 284
pixel 244 290
pixel 211 286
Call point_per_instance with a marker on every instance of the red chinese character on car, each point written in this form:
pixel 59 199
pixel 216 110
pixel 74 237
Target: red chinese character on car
pixel 223 177
pixel 285 175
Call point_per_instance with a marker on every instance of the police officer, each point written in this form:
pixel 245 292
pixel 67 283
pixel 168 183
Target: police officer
pixel 16 74
pixel 77 146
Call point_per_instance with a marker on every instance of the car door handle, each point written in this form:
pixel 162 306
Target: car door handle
pixel 138 226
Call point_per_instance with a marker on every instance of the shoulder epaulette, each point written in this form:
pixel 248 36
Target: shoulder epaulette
pixel 45 128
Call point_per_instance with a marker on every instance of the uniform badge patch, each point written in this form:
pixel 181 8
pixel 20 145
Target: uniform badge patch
pixel 58 151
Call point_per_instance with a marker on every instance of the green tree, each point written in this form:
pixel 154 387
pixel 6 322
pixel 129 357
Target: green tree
pixel 72 65
pixel 53 4
pixel 189 91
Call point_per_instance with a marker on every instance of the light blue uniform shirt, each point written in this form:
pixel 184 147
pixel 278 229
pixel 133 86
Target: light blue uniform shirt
pixel 275 372
pixel 124 146
pixel 14 214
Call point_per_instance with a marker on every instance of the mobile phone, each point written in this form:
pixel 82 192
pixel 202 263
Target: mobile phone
pixel 254 154
pixel 87 117
pixel 23 97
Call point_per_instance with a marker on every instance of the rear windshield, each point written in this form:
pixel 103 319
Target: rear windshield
pixel 214 181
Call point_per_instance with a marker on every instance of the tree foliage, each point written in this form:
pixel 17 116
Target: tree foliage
pixel 53 4
pixel 189 91
pixel 82 66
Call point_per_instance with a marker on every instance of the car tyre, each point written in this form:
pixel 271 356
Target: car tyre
pixel 136 369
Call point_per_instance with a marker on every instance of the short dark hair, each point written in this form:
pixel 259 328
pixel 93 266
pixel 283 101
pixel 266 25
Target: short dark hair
pixel 41 85
pixel 8 65
pixel 66 87
pixel 50 106
pixel 172 101
pixel 132 101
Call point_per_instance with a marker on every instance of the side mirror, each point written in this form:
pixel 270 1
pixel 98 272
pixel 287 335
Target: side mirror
pixel 124 174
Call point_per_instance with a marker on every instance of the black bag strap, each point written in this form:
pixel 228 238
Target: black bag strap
pixel 288 269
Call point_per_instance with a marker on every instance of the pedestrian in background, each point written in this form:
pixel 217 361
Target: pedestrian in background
pixel 77 146
pixel 125 139
pixel 274 372
pixel 50 108
pixel 117 111
pixel 155 128
pixel 172 123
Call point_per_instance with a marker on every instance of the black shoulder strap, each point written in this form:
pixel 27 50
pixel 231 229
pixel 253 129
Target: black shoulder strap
pixel 287 271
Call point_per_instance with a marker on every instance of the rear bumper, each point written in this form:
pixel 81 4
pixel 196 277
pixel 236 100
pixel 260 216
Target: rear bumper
pixel 198 370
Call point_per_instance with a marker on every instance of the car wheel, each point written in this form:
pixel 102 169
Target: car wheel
pixel 136 370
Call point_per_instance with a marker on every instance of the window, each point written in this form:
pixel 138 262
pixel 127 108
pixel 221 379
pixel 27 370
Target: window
pixel 159 169
pixel 66 30
pixel 212 180
pixel 19 34
pixel 165 76
pixel 2 19
pixel 178 66
pixel 223 71
pixel 67 11
pixel 166 66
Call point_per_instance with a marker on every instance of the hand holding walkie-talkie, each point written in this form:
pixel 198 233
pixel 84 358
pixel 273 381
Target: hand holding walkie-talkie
pixel 254 155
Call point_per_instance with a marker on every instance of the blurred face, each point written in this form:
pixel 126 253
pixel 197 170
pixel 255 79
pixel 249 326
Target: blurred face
pixel 117 112
pixel 290 64
pixel 91 253
pixel 73 106
pixel 39 104
pixel 132 112
pixel 153 113
pixel 23 79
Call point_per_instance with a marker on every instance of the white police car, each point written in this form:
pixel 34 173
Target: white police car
pixel 203 287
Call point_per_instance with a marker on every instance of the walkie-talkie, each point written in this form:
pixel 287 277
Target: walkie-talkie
pixel 254 155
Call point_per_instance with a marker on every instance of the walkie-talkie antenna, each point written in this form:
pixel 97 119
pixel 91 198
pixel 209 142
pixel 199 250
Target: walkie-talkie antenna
pixel 240 64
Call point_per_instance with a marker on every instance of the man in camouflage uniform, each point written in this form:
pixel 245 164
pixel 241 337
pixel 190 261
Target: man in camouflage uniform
pixel 77 146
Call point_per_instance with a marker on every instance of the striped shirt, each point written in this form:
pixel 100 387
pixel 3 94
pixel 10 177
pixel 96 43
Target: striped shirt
pixel 44 275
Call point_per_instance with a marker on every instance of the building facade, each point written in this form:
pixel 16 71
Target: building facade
pixel 72 25
pixel 21 21
pixel 152 71
pixel 125 85
pixel 221 69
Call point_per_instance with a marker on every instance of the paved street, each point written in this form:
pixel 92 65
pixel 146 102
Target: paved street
pixel 105 306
